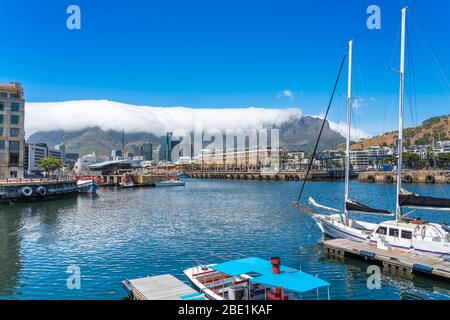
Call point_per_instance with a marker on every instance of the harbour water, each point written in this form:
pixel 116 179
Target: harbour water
pixel 125 234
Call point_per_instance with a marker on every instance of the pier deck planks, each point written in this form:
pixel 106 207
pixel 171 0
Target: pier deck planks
pixel 438 267
pixel 162 287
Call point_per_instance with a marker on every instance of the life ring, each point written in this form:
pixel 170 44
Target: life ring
pixel 389 179
pixel 371 179
pixel 408 179
pixel 422 232
pixel 42 191
pixel 430 179
pixel 27 191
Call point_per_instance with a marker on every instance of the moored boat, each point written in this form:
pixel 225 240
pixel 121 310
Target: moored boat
pixel 87 186
pixel 127 184
pixel 170 183
pixel 254 279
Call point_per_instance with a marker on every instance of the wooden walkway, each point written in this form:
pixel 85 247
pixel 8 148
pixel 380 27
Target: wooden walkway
pixel 163 287
pixel 390 259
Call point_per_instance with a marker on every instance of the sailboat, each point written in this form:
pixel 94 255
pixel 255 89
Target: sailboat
pixel 402 233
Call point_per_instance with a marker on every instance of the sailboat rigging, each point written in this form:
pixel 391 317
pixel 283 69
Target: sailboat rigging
pixel 401 233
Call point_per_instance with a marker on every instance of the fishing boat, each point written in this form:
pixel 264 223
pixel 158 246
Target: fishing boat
pixel 170 183
pixel 254 279
pixel 87 186
pixel 402 233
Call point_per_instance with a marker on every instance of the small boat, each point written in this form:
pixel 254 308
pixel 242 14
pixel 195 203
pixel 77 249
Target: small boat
pixel 254 279
pixel 87 186
pixel 127 184
pixel 170 183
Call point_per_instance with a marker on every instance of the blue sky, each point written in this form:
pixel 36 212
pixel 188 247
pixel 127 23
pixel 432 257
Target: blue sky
pixel 226 54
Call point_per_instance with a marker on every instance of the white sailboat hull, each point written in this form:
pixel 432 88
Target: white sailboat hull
pixel 334 228
pixel 331 226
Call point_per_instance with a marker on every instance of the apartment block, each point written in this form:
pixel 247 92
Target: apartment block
pixel 12 136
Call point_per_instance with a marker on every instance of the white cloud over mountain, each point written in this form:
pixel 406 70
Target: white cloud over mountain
pixel 110 115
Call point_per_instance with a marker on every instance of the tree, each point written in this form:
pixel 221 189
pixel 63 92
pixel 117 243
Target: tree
pixel 50 164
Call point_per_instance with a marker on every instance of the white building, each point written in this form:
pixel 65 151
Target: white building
pixel 442 147
pixel 359 159
pixel 83 163
pixel 33 155
pixel 379 151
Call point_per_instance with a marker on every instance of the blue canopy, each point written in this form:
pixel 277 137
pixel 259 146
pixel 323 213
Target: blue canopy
pixel 294 281
pixel 247 265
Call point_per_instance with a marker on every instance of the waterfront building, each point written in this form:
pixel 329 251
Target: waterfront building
pixel 12 136
pixel 83 163
pixel 239 160
pixel 379 151
pixel 296 156
pixel 359 159
pixel 33 155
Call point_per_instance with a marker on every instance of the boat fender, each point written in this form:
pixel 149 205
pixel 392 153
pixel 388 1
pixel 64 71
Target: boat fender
pixel 422 233
pixel 367 254
pixel 27 191
pixel 389 179
pixel 370 179
pixel 42 191
pixel 422 268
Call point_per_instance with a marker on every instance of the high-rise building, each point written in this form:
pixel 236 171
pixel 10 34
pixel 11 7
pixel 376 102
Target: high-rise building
pixel 61 148
pixel 12 134
pixel 147 149
pixel 33 155
pixel 167 146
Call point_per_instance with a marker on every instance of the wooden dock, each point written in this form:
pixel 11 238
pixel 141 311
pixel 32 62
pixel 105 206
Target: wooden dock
pixel 392 260
pixel 162 287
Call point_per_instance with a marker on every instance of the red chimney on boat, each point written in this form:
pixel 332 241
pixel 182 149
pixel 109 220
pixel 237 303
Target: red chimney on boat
pixel 276 264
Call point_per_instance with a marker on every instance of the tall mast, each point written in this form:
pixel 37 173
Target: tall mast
pixel 398 209
pixel 349 106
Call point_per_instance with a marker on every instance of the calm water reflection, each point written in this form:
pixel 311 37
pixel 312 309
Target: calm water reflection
pixel 124 234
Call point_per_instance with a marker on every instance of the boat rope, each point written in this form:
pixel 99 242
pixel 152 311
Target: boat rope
pixel 321 129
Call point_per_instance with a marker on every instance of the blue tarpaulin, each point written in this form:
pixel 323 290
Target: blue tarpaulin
pixel 247 265
pixel 294 281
